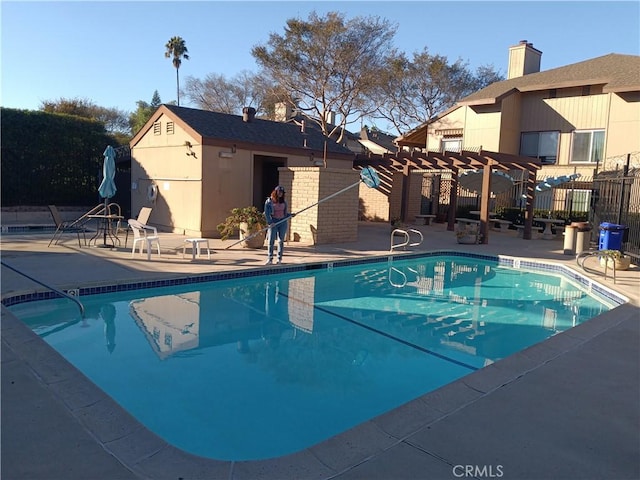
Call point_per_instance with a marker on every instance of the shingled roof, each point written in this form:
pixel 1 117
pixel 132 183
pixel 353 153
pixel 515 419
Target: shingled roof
pixel 229 128
pixel 615 72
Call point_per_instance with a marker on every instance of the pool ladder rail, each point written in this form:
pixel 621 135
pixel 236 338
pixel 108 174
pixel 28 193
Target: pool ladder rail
pixel 399 274
pixel 582 257
pixel 49 287
pixel 407 238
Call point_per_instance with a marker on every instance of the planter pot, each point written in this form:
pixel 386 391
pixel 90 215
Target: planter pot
pixel 254 242
pixel 620 263
pixel 469 239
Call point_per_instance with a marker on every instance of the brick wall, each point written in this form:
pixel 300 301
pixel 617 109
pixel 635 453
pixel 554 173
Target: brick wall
pixel 374 204
pixel 395 197
pixel 301 309
pixel 332 221
pixel 385 203
pixel 415 197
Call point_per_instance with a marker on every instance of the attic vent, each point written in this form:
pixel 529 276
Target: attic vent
pixel 170 128
pixel 248 114
pixel 450 132
pixel 157 128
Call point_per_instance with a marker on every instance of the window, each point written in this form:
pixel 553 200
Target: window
pixel 587 146
pixel 578 200
pixel 157 128
pixel 452 144
pixel 542 145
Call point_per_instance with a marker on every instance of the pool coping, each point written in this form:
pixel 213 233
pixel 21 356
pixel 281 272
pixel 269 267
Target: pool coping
pixel 178 280
pixel 148 456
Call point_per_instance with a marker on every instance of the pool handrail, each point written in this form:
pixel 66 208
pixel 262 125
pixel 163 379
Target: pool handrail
pixel 583 256
pixel 53 289
pixel 407 238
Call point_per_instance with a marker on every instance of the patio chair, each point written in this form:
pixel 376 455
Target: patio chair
pixel 145 235
pixel 143 218
pixel 76 226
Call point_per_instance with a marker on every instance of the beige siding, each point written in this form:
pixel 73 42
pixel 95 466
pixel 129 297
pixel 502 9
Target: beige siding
pixel 452 121
pixel 162 160
pixel 510 125
pixel 565 114
pixel 483 128
pixel 227 185
pixel 197 192
pixel 623 131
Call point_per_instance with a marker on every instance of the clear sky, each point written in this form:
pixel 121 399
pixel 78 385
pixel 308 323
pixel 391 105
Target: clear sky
pixel 112 53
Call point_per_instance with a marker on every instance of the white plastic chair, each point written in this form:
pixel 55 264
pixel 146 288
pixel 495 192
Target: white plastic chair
pixel 144 235
pixel 143 218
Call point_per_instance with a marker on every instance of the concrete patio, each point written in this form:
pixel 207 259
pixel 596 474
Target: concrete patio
pixel 567 408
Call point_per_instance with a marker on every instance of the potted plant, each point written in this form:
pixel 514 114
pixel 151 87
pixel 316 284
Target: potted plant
pixel 247 221
pixel 396 222
pixel 467 234
pixel 611 258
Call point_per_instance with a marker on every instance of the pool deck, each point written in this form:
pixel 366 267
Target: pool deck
pixel 567 408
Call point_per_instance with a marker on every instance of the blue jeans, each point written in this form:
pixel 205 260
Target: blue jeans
pixel 280 231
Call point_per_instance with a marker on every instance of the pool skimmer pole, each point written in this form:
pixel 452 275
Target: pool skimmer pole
pixel 367 175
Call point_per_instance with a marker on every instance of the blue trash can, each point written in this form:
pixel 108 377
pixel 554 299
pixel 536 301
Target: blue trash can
pixel 611 236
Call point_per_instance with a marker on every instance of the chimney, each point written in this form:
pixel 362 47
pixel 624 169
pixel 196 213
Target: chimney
pixel 248 114
pixel 330 117
pixel 282 112
pixel 523 60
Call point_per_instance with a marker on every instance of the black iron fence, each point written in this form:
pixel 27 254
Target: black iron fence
pixel 616 200
pixel 612 196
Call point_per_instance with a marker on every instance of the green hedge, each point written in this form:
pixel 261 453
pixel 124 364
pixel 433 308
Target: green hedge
pixel 50 158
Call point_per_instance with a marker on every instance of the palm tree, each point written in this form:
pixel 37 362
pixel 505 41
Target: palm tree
pixel 177 49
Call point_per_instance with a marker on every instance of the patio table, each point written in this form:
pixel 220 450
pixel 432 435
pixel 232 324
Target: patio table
pixel 547 234
pixel 103 227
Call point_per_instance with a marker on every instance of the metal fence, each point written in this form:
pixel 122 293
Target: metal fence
pixel 616 200
pixel 611 196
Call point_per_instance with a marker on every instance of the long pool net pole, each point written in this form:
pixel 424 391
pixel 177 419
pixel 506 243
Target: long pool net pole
pixel 367 175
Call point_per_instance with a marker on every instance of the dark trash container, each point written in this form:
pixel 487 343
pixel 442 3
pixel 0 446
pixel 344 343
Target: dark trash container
pixel 612 236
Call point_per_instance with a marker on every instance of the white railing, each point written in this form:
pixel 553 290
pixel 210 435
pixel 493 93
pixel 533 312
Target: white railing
pixel 406 240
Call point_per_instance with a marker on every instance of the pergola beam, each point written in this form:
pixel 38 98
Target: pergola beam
pixel 454 162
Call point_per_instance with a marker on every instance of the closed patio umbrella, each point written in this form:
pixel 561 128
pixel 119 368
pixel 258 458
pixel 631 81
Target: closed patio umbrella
pixel 549 183
pixel 107 188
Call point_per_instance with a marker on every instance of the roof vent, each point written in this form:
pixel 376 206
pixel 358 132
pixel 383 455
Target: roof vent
pixel 248 114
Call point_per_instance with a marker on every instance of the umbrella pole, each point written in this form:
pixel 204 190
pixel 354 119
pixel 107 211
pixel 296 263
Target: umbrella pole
pixel 104 228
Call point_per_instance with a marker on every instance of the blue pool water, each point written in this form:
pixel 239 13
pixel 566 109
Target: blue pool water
pixel 263 366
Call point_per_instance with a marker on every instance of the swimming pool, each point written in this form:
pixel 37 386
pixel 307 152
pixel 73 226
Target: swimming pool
pixel 274 363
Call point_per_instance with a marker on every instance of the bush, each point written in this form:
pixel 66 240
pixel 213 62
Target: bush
pixel 253 217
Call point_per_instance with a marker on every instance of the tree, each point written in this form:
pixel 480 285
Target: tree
pixel 219 94
pixel 177 50
pixel 327 64
pixel 412 91
pixel 115 121
pixel 144 112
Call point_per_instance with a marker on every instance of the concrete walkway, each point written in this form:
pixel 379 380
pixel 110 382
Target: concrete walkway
pixel 567 408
